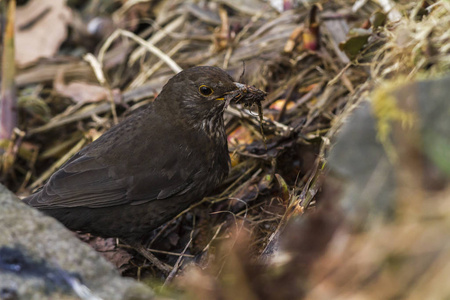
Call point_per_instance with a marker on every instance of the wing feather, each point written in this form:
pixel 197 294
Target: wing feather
pixel 90 179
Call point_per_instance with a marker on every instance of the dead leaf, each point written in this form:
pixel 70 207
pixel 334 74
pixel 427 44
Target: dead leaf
pixel 278 105
pixel 80 91
pixel 41 27
pixel 108 249
pixel 294 39
pixel 241 135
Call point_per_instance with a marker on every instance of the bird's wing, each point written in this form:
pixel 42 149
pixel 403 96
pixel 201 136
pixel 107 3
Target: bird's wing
pixel 82 180
pixel 100 176
pixel 85 182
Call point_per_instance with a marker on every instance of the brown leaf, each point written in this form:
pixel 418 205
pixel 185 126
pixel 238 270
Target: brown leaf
pixel 278 105
pixel 41 27
pixel 241 135
pixel 80 91
pixel 294 39
pixel 109 250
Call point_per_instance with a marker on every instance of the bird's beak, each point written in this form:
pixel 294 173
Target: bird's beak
pixel 240 86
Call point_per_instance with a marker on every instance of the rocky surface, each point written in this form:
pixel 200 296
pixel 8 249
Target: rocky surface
pixel 41 259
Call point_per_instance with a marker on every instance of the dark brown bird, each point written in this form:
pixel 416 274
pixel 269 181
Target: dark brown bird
pixel 150 167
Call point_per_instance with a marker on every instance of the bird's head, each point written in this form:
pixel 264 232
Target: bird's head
pixel 200 95
pixel 199 90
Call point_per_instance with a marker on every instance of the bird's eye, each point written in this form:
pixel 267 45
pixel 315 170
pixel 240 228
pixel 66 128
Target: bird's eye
pixel 205 90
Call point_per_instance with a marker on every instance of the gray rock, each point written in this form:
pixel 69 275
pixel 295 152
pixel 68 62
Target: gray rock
pixel 41 259
pixel 359 159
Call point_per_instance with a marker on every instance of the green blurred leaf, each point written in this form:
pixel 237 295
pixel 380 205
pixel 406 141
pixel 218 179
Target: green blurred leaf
pixel 353 45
